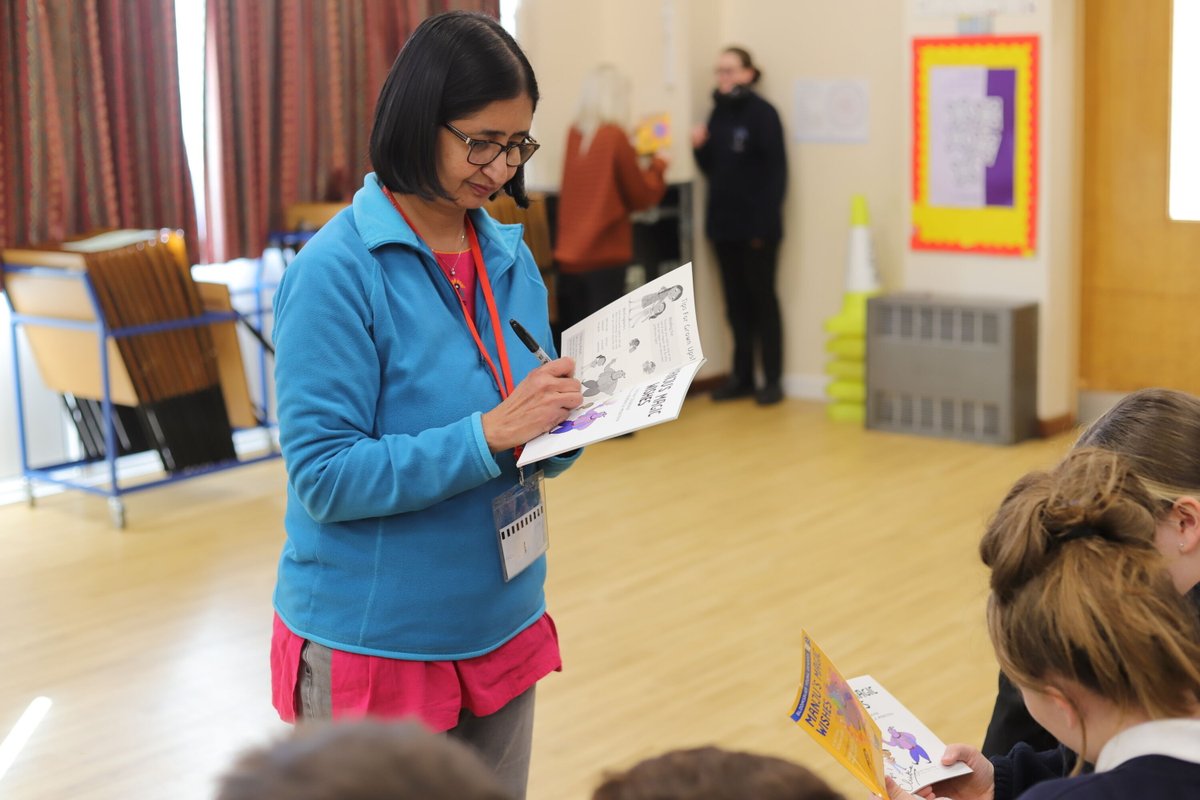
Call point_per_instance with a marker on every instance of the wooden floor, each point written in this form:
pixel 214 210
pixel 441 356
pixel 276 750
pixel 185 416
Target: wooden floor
pixel 684 563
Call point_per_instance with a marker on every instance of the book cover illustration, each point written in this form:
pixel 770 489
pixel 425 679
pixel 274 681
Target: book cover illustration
pixel 911 752
pixel 828 709
pixel 653 135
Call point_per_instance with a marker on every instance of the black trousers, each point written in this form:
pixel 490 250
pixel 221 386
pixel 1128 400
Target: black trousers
pixel 752 307
pixel 583 293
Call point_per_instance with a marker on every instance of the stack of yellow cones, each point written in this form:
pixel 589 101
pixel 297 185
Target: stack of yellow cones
pixel 847 345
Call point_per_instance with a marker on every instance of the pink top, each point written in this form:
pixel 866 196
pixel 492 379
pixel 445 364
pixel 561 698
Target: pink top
pixel 460 269
pixel 435 692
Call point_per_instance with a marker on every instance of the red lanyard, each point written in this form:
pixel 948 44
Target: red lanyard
pixel 505 386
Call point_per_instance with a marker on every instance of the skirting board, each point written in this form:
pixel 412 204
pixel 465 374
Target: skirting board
pixel 812 387
pixel 1055 425
pixel 805 387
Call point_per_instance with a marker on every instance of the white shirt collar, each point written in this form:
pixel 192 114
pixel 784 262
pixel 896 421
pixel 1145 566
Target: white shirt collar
pixel 1174 738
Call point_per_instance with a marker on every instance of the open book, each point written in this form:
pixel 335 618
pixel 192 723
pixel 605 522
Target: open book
pixel 636 358
pixel 844 717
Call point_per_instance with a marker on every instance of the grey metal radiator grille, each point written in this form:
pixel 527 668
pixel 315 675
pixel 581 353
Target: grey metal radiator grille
pixel 952 367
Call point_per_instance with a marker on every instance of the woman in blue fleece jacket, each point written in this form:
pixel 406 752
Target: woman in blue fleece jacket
pixel 401 400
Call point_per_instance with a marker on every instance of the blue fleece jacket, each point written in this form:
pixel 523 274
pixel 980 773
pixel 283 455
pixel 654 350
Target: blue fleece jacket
pixel 391 547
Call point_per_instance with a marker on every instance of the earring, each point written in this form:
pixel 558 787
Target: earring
pixel 1181 547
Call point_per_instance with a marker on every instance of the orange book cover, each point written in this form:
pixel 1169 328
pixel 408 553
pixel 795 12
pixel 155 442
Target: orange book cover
pixel 829 710
pixel 653 135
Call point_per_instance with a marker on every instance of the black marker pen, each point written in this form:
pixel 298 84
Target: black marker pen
pixel 529 341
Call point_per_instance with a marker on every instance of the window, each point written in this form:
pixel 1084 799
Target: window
pixel 1184 201
pixel 190 40
pixel 508 15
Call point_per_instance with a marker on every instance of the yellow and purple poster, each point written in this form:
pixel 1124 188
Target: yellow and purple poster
pixel 975 110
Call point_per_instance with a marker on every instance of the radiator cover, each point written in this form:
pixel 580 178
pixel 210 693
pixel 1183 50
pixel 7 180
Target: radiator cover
pixel 952 367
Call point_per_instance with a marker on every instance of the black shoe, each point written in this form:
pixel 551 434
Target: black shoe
pixel 732 390
pixel 769 395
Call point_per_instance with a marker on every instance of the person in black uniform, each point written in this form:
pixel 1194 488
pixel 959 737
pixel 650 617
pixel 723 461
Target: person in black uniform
pixel 741 152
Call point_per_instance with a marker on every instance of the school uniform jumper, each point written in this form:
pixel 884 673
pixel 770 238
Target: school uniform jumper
pixel 1157 760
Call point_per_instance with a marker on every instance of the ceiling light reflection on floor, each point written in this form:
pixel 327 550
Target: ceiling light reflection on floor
pixel 19 735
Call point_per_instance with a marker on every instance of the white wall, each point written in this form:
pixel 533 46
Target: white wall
pixel 857 39
pixel 860 39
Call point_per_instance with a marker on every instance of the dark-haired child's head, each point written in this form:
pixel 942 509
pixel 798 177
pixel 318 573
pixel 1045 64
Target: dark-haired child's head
pixel 361 761
pixel 711 773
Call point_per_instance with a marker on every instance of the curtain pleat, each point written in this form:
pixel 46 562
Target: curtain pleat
pixel 90 124
pixel 295 85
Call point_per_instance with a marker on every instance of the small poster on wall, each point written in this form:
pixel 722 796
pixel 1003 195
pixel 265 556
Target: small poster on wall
pixel 975 123
pixel 830 110
pixel 972 8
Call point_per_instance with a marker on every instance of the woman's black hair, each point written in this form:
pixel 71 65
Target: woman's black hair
pixel 453 65
pixel 747 62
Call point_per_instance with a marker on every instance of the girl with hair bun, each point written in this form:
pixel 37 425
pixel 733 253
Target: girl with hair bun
pixel 1158 430
pixel 1088 620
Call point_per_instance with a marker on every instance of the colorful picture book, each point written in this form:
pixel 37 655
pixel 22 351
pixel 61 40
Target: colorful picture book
pixel 845 717
pixel 828 709
pixel 653 135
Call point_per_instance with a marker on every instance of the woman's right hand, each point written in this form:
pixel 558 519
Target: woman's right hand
pixel 538 404
pixel 699 136
pixel 979 784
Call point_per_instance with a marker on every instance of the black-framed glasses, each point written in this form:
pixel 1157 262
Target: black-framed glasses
pixel 481 152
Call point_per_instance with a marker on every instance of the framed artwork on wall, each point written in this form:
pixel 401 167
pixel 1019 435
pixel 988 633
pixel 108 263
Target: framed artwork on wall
pixel 975 144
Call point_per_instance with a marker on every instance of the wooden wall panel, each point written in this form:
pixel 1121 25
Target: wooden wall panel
pixel 1140 276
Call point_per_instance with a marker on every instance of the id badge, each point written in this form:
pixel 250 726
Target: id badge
pixel 520 516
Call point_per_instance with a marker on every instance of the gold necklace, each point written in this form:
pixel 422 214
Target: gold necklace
pixel 454 281
pixel 462 238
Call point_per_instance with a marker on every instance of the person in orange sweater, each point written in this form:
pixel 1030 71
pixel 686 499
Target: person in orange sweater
pixel 602 183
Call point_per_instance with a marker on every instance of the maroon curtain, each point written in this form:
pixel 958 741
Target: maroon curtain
pixel 291 100
pixel 90 132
